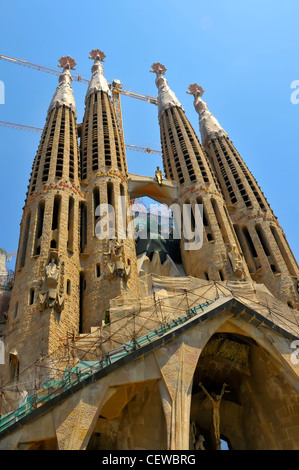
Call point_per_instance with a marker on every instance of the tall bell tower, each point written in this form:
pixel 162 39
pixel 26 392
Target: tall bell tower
pixel 44 301
pixel 108 260
pixel 186 162
pixel 263 242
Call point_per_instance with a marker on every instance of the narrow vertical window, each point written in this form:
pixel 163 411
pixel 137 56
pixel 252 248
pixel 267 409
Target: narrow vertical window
pixel 56 212
pixel 111 202
pixel 39 227
pixel 70 225
pixel 31 296
pixel 83 226
pixel 98 270
pixel 25 241
pixel 96 203
pixel 266 248
pixel 247 247
pixel 205 219
pixel 81 293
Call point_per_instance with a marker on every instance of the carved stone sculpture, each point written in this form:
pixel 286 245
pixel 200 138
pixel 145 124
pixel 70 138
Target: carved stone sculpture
pixel 50 297
pixel 216 401
pixel 159 176
pixel 236 261
pixel 115 263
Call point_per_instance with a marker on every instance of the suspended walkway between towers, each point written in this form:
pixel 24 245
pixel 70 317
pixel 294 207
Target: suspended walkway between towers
pixel 86 370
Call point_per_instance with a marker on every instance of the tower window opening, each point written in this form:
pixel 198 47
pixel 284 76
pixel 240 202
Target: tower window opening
pixel 83 226
pixel 56 212
pixel 205 219
pixel 110 195
pixel 71 223
pixel 53 243
pixel 39 226
pixel 206 276
pixel 25 241
pixel 49 148
pixel 221 275
pixel 68 287
pixel 247 252
pixel 31 296
pixel 98 270
pixel 249 242
pixel 81 298
pixel 266 248
pixel 96 203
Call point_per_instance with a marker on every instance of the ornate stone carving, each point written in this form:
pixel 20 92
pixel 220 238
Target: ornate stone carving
pixel 158 68
pixel 50 295
pixel 236 261
pixel 159 176
pixel 116 265
pixel 216 401
pixel 97 54
pixel 67 62
pixel 196 439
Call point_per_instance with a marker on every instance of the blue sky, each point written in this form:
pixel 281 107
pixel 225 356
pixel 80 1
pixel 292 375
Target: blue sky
pixel 244 54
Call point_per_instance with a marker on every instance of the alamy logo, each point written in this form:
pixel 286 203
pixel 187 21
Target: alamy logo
pixel 294 95
pixel 2 93
pixel 140 222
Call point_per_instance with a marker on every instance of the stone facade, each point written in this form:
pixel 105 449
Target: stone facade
pixel 172 348
pixel 261 238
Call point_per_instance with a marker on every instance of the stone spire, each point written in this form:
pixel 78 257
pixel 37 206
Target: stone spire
pixel 64 93
pixel 209 126
pixel 166 97
pixel 97 82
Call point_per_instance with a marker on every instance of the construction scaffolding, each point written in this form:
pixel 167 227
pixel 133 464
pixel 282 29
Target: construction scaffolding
pixel 170 303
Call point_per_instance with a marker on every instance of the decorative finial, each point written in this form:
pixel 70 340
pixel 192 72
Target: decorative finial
pixel 67 61
pixel 195 89
pixel 97 53
pixel 157 67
